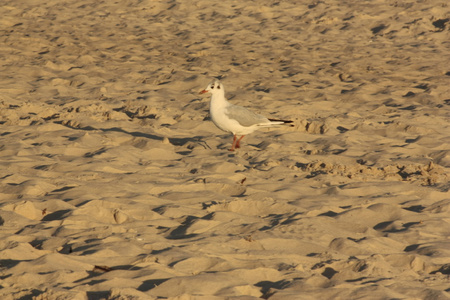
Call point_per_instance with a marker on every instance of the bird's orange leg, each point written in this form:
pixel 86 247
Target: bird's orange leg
pixel 233 146
pixel 238 143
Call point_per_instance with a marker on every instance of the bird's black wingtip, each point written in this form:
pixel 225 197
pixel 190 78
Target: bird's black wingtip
pixel 284 121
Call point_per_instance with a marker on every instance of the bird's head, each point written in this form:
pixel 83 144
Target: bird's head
pixel 215 87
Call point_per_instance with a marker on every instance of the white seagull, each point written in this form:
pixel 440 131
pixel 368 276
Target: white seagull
pixel 233 118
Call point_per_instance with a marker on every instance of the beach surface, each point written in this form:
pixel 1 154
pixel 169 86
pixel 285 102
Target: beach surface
pixel 115 184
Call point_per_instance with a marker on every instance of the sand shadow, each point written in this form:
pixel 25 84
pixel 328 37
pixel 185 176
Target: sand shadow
pixel 180 232
pixel 172 140
pixel 151 284
pixel 269 288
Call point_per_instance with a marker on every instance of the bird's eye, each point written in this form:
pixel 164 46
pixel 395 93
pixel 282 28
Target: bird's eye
pixel 218 87
pixel 212 87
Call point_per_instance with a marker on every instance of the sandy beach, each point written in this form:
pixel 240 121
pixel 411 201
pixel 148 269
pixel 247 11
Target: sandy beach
pixel 115 184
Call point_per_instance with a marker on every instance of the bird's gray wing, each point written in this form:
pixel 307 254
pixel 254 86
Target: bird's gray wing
pixel 244 116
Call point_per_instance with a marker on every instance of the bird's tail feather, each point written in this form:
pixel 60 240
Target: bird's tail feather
pixel 281 121
pixel 275 123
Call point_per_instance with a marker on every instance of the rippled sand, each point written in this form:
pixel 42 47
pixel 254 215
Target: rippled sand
pixel 115 184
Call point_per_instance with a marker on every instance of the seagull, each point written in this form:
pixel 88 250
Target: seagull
pixel 233 118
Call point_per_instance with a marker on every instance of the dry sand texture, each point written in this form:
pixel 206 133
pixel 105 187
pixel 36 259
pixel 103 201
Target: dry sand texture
pixel 114 184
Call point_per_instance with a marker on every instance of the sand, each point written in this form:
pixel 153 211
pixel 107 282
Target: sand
pixel 115 184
